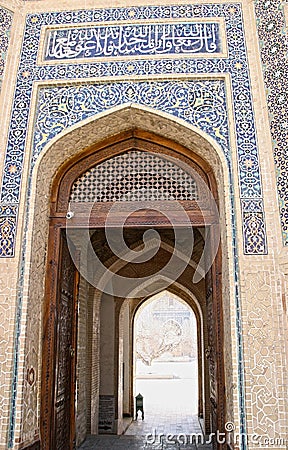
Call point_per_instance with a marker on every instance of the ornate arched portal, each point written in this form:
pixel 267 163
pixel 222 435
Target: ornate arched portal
pixel 60 318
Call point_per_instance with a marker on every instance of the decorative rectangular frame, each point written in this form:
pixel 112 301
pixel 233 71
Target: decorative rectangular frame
pixel 221 54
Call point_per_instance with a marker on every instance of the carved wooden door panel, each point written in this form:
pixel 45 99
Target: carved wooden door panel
pixel 211 353
pixel 65 359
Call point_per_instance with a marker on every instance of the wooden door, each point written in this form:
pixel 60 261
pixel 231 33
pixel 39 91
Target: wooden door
pixel 215 350
pixel 211 355
pixel 63 437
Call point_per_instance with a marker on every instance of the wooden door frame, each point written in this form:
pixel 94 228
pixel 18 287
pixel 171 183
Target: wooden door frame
pixel 72 169
pixel 49 369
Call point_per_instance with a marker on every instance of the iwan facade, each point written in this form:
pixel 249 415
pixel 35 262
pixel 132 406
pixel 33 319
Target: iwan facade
pixel 170 116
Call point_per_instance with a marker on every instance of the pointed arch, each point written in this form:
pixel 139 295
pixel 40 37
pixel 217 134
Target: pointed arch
pixel 98 138
pixel 191 308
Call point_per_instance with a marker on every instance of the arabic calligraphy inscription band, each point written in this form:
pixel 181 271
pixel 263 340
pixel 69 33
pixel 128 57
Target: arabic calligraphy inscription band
pixel 133 39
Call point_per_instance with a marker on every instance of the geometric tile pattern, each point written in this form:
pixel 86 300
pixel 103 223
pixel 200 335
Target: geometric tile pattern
pixel 272 32
pixel 183 65
pixel 8 213
pixel 263 350
pixel 5 27
pixel 134 176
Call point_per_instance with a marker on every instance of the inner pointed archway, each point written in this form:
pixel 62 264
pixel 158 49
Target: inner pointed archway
pixel 166 364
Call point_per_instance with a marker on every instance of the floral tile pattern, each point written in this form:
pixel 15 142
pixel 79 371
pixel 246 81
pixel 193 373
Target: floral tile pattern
pixel 5 27
pixel 235 64
pixel 272 32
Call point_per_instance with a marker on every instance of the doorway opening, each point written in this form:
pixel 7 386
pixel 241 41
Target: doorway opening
pixel 166 362
pixel 101 342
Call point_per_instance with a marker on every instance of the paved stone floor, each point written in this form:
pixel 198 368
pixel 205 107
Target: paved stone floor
pixel 125 442
pixel 170 406
pixel 165 426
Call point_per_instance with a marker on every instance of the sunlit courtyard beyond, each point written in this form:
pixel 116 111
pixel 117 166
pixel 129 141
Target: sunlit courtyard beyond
pixel 169 386
pixel 165 366
pixel 170 391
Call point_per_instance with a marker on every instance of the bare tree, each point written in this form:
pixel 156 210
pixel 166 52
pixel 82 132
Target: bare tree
pixel 155 338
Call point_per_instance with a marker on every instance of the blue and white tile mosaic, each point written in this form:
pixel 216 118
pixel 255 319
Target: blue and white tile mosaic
pixel 272 32
pixel 5 28
pixel 8 213
pixel 188 65
pixel 120 41
pixel 200 103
